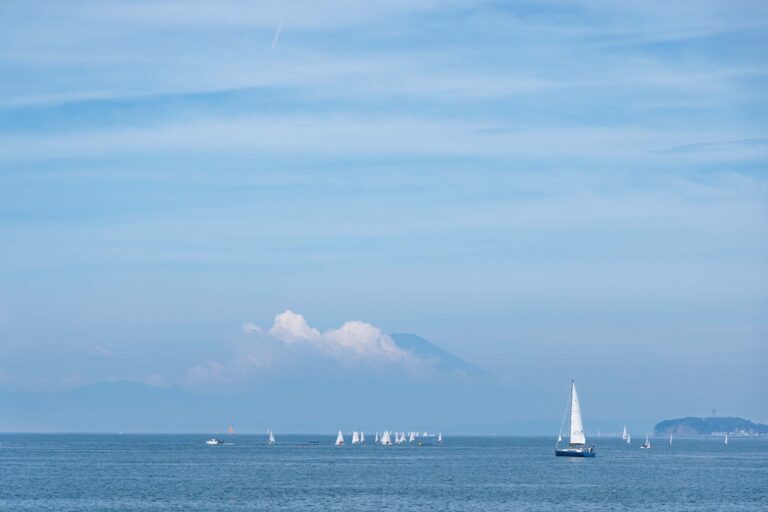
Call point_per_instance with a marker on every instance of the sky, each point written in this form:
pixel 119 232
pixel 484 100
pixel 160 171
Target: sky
pixel 222 197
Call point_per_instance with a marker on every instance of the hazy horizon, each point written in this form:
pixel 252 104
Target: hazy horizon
pixel 240 202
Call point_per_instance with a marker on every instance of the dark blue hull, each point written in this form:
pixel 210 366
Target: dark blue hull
pixel 574 453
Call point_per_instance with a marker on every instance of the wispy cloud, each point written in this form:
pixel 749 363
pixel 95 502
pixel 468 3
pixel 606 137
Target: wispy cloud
pixel 717 146
pixel 251 328
pixel 209 373
pixel 277 34
pixel 98 353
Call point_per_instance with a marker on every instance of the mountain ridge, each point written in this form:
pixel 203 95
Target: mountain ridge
pixel 439 357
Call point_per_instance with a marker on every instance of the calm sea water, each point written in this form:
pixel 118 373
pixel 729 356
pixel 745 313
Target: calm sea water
pixel 86 472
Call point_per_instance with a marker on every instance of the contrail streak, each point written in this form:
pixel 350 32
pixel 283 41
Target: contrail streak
pixel 277 34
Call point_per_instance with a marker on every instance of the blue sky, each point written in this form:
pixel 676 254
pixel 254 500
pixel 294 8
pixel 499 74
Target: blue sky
pixel 546 189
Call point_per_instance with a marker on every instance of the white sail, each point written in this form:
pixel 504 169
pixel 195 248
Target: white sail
pixel 340 439
pixel 624 434
pixel 362 437
pixel 412 438
pixel 726 439
pixel 271 437
pixel 376 440
pixel 355 437
pixel 559 438
pixel 577 427
pixel 440 437
pixel 385 438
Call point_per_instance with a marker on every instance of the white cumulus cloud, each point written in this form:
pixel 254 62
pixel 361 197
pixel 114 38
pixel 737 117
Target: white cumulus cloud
pixel 354 339
pixel 290 327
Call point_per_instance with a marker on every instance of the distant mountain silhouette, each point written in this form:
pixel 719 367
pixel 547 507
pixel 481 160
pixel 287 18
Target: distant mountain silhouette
pixel 441 359
pixel 269 399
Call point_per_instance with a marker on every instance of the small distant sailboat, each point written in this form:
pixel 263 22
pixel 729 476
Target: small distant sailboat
pixel 270 437
pixel 230 430
pixel 355 437
pixel 340 439
pixel 625 434
pixel 214 441
pixel 670 439
pixel 376 440
pixel 412 437
pixel 725 441
pixel 362 437
pixel 577 442
pixel 386 439
pixel 647 444
pixel 439 437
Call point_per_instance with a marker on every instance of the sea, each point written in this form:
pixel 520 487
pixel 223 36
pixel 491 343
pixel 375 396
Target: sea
pixel 148 472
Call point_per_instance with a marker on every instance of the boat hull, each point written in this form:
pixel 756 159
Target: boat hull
pixel 574 453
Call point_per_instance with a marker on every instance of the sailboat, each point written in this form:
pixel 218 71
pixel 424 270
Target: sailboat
pixel 376 440
pixel 647 443
pixel 670 439
pixel 355 437
pixel 385 438
pixel 340 439
pixel 725 441
pixel 439 437
pixel 362 437
pixel 230 430
pixel 412 437
pixel 577 443
pixel 625 434
pixel 271 439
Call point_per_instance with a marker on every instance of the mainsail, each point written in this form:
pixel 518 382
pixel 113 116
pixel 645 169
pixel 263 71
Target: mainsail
pixel 386 438
pixel 362 437
pixel 577 427
pixel 624 435
pixel 340 439
pixel 355 437
pixel 412 437
pixel 271 437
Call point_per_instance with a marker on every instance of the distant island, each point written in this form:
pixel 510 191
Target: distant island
pixel 691 426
